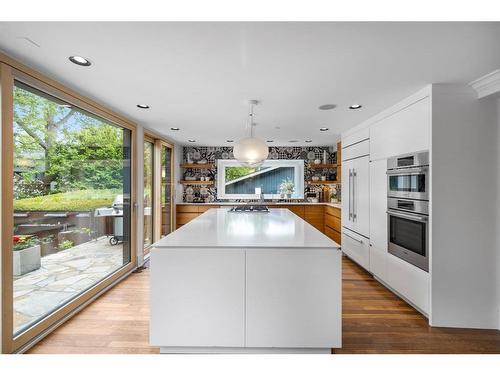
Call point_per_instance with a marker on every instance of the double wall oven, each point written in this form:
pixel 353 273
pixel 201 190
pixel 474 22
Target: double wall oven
pixel 408 208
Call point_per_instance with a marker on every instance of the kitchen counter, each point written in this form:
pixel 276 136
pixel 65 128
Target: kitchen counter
pixel 240 282
pixel 336 205
pixel 218 227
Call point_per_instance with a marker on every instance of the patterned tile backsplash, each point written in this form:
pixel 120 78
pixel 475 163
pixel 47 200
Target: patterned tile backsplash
pixel 208 193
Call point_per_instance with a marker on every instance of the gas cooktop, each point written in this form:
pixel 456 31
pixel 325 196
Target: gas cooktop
pixel 249 209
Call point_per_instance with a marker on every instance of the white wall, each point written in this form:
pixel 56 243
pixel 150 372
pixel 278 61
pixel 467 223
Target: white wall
pixel 464 208
pixel 498 213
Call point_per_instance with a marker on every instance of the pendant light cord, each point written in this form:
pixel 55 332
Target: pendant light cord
pixel 250 120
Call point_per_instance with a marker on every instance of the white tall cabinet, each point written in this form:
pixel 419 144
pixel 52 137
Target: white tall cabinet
pixel 461 133
pixel 355 202
pixel 401 129
pixel 378 220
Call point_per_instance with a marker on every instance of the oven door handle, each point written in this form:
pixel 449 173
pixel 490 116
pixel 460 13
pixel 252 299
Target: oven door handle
pixel 407 171
pixel 407 216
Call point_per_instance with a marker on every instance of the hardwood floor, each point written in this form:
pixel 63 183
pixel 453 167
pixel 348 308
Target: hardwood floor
pixel 374 321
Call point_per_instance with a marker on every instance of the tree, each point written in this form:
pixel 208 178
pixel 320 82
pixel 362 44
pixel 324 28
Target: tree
pixel 69 148
pixel 39 119
pixel 233 173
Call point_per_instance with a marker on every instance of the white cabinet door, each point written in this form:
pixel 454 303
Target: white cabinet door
pixel 355 195
pixel 356 150
pixel 347 167
pixel 356 247
pixel 405 131
pixel 378 262
pixel 356 137
pixel 378 218
pixel 361 193
pixel 410 281
pixel 378 203
pixel 293 298
pixel 197 297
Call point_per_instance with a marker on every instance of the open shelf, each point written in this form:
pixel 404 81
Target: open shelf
pixel 322 166
pixel 322 182
pixel 199 166
pixel 184 182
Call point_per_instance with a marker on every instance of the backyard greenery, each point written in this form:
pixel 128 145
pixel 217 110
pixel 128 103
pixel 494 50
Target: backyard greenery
pixel 81 200
pixel 59 148
pixel 233 173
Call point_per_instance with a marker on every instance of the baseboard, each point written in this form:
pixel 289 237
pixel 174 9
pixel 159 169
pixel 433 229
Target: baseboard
pixel 233 350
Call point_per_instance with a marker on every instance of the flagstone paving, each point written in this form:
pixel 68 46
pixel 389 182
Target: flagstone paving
pixel 61 277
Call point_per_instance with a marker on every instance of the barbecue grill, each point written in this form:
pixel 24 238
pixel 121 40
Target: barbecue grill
pixel 116 212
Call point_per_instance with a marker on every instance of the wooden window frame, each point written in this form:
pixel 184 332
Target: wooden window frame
pixel 158 142
pixel 150 139
pixel 10 71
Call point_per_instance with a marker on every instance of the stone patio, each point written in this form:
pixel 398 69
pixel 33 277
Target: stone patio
pixel 61 277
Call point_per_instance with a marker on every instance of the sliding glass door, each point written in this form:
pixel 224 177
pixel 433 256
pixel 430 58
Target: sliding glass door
pixel 148 199
pixel 67 205
pixel 166 189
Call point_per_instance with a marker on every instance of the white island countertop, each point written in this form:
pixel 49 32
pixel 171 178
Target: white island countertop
pixel 217 227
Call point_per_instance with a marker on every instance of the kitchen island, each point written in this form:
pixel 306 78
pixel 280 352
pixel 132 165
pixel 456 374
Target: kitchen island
pixel 230 282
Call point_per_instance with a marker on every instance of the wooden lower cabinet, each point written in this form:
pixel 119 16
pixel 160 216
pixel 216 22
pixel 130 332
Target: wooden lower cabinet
pixel 324 218
pixel 187 212
pixel 333 234
pixel 333 223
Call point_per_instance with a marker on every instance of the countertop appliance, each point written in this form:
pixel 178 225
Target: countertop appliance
pixel 249 208
pixel 408 208
pixel 408 176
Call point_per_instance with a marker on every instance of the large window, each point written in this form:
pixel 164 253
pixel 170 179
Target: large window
pixel 72 203
pixel 274 179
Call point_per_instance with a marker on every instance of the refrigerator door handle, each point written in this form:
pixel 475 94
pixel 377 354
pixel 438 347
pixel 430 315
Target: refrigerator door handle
pixel 350 195
pixel 354 189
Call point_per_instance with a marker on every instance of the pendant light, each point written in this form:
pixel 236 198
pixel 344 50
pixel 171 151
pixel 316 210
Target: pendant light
pixel 251 151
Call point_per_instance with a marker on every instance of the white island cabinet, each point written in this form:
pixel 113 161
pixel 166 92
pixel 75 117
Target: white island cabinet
pixel 231 282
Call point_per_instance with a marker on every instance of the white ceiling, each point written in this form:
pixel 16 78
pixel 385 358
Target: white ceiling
pixel 198 76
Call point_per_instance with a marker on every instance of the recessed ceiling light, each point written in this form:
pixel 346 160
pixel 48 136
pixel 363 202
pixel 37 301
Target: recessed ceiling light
pixel 293 141
pixel 79 60
pixel 174 129
pixel 143 106
pixel 323 129
pixel 269 141
pixel 355 106
pixel 308 141
pixel 229 141
pixel 326 107
pixel 192 140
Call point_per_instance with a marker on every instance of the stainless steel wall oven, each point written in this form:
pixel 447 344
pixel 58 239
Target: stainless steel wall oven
pixel 408 208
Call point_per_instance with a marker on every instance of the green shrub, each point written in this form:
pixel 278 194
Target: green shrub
pixel 80 200
pixel 66 244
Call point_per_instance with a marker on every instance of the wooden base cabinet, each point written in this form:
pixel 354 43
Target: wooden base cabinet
pixel 187 212
pixel 333 224
pixel 315 215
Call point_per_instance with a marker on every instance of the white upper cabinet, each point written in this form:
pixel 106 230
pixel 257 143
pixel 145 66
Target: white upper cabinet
pixel 404 131
pixel 356 137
